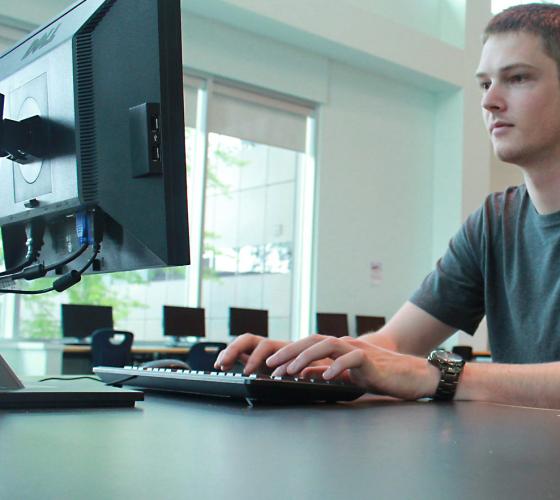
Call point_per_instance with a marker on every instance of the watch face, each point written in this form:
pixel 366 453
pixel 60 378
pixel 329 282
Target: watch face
pixel 449 357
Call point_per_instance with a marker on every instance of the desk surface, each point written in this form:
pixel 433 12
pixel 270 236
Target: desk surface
pixel 173 447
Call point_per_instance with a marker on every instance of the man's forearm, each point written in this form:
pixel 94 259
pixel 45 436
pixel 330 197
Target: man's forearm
pixel 536 385
pixel 380 339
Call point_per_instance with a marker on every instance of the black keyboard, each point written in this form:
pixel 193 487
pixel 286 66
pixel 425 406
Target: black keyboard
pixel 252 388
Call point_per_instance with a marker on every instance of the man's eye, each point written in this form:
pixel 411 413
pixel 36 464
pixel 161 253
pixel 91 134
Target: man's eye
pixel 484 85
pixel 517 78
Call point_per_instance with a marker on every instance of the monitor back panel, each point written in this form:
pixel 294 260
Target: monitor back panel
pixel 332 324
pixel 183 321
pixel 365 324
pixel 248 321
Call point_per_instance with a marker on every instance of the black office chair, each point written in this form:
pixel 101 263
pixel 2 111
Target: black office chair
pixel 465 351
pixel 106 350
pixel 202 355
pixel 365 324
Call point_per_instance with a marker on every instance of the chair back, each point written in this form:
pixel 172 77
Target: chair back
pixel 107 349
pixel 202 355
pixel 465 351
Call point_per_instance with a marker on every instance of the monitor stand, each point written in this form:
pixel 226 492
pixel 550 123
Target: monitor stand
pixel 178 342
pixel 9 381
pixel 60 394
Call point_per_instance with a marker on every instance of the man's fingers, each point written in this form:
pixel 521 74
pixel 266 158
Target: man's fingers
pixel 280 371
pixel 327 347
pixel 242 345
pixel 313 372
pixel 290 351
pixel 353 359
pixel 257 358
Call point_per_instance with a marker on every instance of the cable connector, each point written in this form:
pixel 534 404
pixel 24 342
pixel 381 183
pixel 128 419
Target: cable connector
pixel 33 272
pixel 34 231
pixel 82 227
pixel 66 281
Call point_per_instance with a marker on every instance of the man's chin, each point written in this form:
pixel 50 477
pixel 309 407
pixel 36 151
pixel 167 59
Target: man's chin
pixel 508 155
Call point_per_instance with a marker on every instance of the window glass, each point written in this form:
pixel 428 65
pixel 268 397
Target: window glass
pixel 249 231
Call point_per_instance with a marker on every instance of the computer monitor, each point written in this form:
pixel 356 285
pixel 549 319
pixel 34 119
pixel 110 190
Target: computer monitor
pixel 332 324
pixel 180 322
pixel 92 145
pixel 248 321
pixel 366 324
pixel 81 320
pixel 93 141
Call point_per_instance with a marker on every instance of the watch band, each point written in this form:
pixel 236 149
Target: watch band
pixel 451 367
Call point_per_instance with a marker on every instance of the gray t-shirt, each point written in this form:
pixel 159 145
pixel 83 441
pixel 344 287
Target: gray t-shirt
pixel 504 262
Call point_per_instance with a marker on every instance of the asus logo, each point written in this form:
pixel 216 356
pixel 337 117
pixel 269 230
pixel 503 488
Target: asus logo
pixel 39 43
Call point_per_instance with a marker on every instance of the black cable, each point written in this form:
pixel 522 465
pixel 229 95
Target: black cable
pixel 114 383
pixel 62 283
pixel 96 249
pixel 16 269
pixel 68 259
pixel 71 378
pixel 34 242
pixel 26 292
pixel 43 270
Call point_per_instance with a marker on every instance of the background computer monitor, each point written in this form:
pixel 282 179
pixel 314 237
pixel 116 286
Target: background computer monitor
pixel 183 321
pixel 365 324
pixel 81 320
pixel 248 321
pixel 107 154
pixel 333 324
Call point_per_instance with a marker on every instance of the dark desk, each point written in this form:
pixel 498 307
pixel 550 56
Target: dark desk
pixel 173 447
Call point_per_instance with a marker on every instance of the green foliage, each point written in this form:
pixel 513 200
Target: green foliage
pixel 105 291
pixel 167 273
pixel 42 312
pixel 45 322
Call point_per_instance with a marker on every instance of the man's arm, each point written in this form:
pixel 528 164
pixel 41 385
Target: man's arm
pixel 413 331
pixel 410 331
pixel 535 385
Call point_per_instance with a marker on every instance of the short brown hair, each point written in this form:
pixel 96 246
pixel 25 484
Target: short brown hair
pixel 541 19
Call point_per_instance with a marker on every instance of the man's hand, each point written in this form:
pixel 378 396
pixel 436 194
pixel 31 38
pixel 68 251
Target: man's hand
pixel 251 350
pixel 375 369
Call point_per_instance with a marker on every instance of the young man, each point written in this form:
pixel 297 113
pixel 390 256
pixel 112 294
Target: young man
pixel 504 262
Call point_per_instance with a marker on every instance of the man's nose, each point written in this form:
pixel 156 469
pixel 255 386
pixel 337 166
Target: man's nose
pixel 493 98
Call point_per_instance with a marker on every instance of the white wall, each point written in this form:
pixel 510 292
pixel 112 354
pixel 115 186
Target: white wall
pixel 376 143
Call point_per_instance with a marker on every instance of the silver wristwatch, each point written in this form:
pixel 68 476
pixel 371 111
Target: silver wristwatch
pixel 450 365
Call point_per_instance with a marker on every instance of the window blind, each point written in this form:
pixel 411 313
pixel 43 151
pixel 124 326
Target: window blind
pixel 257 117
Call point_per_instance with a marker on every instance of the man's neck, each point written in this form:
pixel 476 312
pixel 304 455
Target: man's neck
pixel 543 186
